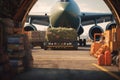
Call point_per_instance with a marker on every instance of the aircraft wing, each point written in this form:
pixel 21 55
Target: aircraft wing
pixel 89 18
pixel 39 19
pixel 86 18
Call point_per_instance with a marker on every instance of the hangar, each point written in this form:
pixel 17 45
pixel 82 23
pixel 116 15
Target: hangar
pixel 12 18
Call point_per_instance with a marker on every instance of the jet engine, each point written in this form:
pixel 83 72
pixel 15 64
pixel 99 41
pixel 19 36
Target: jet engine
pixel 110 26
pixel 93 30
pixel 30 27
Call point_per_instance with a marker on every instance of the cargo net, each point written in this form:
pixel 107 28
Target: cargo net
pixel 61 34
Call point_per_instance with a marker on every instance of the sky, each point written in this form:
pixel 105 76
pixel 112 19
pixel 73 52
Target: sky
pixel 44 6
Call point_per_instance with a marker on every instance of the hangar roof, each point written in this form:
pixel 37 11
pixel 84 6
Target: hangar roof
pixel 114 7
pixel 15 9
pixel 19 9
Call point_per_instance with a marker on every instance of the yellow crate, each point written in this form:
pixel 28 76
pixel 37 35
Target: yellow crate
pixel 113 35
pixel 107 35
pixel 113 46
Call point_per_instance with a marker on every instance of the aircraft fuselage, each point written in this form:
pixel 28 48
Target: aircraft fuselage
pixel 65 14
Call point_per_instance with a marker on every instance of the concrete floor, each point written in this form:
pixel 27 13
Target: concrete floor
pixel 65 65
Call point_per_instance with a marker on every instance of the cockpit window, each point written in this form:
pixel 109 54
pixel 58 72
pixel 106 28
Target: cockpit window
pixel 64 0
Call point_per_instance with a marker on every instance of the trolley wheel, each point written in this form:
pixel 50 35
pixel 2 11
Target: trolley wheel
pixel 84 42
pixel 45 48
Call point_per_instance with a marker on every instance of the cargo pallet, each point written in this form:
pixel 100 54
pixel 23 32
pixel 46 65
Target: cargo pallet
pixel 61 45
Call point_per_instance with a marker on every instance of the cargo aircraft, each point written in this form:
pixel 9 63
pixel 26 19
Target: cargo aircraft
pixel 66 13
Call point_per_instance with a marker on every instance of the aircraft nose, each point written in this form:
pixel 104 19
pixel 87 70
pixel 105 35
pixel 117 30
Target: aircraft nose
pixel 63 6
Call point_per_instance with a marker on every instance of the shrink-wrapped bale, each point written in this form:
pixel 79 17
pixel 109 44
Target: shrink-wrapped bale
pixel 61 34
pixel 108 58
pixel 94 47
pixel 101 60
pixel 101 50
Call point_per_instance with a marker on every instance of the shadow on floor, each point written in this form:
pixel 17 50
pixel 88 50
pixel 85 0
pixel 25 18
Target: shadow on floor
pixel 63 74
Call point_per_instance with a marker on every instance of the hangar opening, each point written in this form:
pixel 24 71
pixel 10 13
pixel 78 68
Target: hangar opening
pixel 12 19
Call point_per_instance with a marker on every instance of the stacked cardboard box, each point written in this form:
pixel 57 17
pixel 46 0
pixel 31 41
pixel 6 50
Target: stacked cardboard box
pixel 36 36
pixel 5 68
pixel 16 52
